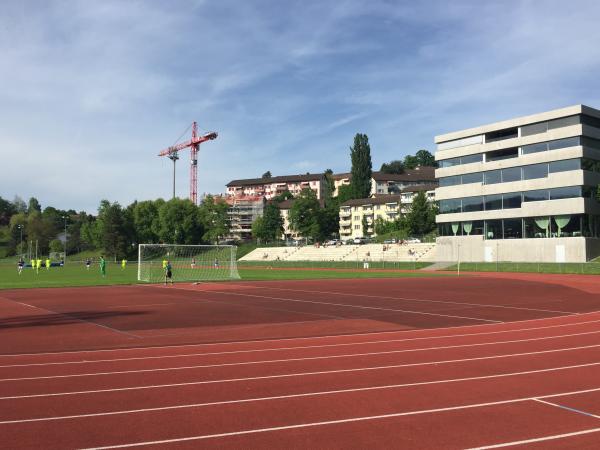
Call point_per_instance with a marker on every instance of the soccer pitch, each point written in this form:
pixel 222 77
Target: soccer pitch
pixel 75 274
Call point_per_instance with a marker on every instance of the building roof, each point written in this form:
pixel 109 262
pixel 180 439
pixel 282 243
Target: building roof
pixel 378 200
pixel 287 204
pixel 420 187
pixel 281 179
pixel 421 173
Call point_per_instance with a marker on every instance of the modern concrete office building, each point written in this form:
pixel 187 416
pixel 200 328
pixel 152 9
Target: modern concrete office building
pixel 523 189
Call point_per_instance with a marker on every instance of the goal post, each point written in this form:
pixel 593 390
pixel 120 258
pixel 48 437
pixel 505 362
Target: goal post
pixel 188 262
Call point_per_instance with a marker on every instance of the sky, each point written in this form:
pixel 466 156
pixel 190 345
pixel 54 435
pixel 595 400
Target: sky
pixel 90 92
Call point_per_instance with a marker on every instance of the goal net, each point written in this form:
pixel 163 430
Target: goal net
pixel 188 262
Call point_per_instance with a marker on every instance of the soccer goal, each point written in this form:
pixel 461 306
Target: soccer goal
pixel 188 262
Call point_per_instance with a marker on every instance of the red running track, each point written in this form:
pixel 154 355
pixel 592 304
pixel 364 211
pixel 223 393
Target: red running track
pixel 476 362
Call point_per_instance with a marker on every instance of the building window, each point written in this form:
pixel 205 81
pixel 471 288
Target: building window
pixel 470 204
pixel 493 229
pixel 493 177
pixel 511 174
pixel 536 196
pixel 499 155
pixel 501 135
pixel 472 178
pixel 535 171
pixel 356 217
pixel 512 200
pixel 513 228
pixel 470 159
pixel 449 181
pixel 537 227
pixel 565 192
pixel 493 202
pixel 472 228
pixel 564 165
pixel 450 206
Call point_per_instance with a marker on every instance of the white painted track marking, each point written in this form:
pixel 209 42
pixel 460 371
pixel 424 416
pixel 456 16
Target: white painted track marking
pixel 360 419
pixel 344 305
pixel 422 300
pixel 334 336
pixel 567 408
pixel 320 393
pixel 528 441
pixel 270 361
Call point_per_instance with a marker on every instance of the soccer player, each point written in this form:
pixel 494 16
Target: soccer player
pixel 88 263
pixel 216 263
pixel 193 264
pixel 38 264
pixel 123 263
pixel 165 262
pixel 33 264
pixel 20 265
pixel 102 266
pixel 48 263
pixel 168 273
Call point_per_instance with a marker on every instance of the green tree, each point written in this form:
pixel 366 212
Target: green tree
pixel 425 158
pixel 56 246
pixel 146 221
pixel 272 222
pixel 329 184
pixel 420 219
pixel 266 175
pixel 179 222
pixel 111 229
pixel 329 220
pixel 34 205
pixel 7 210
pixel 410 162
pixel 365 227
pixel 285 195
pixel 344 193
pixel 214 218
pixel 19 204
pixel 304 214
pixel 395 167
pixel 360 155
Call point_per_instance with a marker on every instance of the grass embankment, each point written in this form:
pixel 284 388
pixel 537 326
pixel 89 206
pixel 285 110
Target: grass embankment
pixel 590 268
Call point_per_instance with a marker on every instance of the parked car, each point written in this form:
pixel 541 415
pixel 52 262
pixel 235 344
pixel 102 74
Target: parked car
pixel 412 240
pixel 333 242
pixel 360 240
pixel 389 241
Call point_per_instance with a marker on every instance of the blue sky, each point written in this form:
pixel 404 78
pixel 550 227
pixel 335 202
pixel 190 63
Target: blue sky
pixel 91 91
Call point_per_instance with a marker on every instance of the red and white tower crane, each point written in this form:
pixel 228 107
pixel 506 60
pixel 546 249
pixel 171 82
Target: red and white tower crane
pixel 194 145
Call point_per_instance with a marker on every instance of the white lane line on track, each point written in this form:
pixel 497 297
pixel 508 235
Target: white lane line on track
pixel 557 405
pixel 356 419
pixel 298 374
pixel 184 355
pixel 526 441
pixel 88 322
pixel 389 297
pixel 333 336
pixel 344 305
pixel 271 361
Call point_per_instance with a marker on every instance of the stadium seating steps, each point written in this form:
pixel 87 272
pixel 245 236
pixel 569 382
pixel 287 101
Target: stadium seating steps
pixel 370 252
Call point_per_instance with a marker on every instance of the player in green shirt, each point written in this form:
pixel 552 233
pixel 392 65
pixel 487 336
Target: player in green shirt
pixel 48 263
pixel 102 266
pixel 123 263
pixel 168 273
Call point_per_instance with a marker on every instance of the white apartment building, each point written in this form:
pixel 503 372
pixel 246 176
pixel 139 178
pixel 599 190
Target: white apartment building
pixel 271 187
pixel 384 206
pixel 523 189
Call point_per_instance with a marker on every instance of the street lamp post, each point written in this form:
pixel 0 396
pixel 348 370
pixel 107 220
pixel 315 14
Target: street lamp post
pixel 21 244
pixel 65 245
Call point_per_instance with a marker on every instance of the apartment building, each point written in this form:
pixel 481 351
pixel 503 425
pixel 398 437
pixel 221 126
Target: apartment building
pixel 284 209
pixel 523 189
pixel 271 187
pixel 390 183
pixel 242 211
pixel 384 206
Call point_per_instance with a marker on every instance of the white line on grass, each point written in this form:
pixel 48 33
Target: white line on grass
pixel 362 419
pixel 328 372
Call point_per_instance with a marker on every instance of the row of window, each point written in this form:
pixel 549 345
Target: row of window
pixel 528 172
pixel 526 130
pixel 567 225
pixel 512 199
pixel 525 150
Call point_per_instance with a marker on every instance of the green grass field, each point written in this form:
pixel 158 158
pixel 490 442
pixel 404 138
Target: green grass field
pixel 589 268
pixel 76 274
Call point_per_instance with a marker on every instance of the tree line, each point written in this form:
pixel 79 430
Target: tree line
pixel 115 230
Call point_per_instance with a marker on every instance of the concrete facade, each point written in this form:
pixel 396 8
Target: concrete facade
pixel 522 189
